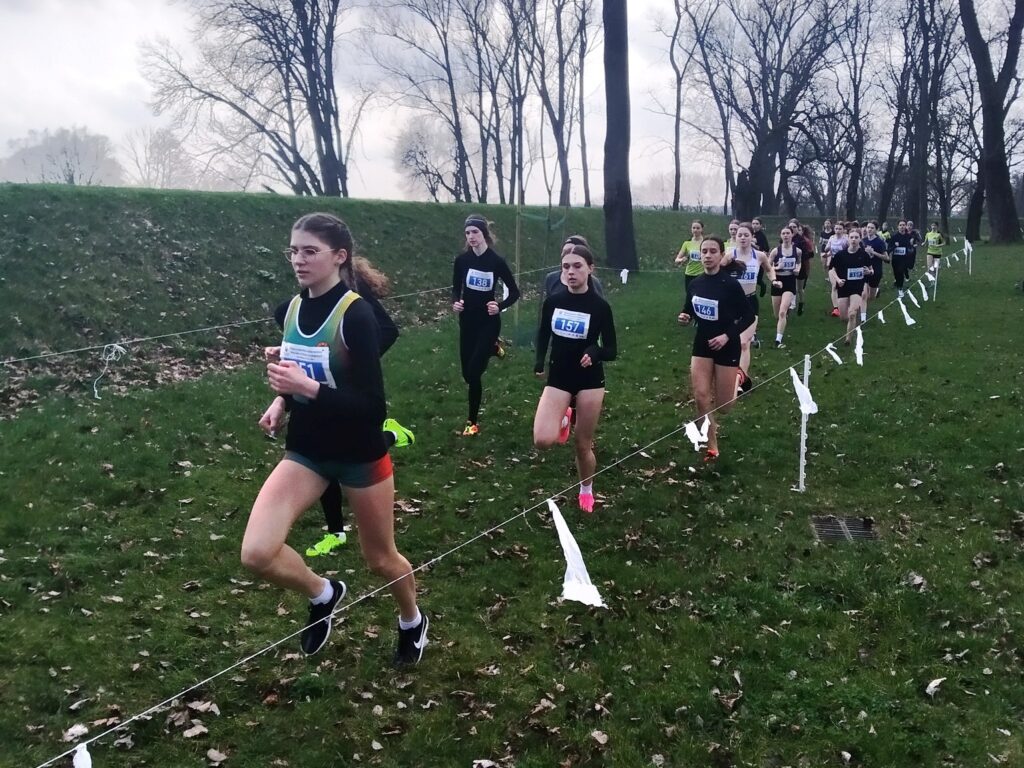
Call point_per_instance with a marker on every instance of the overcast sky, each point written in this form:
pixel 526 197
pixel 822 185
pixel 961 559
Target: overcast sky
pixel 76 63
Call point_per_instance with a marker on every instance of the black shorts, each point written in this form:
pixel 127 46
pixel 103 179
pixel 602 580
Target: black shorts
pixel 805 269
pixel 755 305
pixel 573 381
pixel 788 284
pixel 875 278
pixel 728 355
pixel 850 288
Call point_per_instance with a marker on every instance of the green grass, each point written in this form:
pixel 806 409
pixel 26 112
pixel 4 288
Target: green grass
pixel 143 496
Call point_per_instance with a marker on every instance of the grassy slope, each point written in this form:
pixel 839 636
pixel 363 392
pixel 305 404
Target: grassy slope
pixel 706 573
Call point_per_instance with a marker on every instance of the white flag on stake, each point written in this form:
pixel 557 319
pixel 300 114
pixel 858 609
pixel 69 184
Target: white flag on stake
pixel 624 276
pixel 832 351
pixel 913 298
pixel 82 758
pixel 968 248
pixel 858 349
pixel 803 394
pixel 881 317
pixel 906 315
pixel 697 436
pixel 576 585
pixel 929 275
pixel 924 291
pixel 956 258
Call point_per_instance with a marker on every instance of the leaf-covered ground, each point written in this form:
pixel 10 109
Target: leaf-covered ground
pixel 730 638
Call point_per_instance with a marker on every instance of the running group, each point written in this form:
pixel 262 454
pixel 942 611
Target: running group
pixel 328 384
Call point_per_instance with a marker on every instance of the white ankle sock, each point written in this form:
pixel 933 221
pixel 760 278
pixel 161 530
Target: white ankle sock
pixel 325 594
pixel 778 338
pixel 584 489
pixel 403 624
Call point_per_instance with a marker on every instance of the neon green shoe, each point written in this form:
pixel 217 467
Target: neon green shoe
pixel 327 544
pixel 403 436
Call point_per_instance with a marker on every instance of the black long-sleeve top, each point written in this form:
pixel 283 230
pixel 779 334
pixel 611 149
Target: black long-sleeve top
pixel 341 424
pixel 475 278
pixel 572 323
pixel 719 305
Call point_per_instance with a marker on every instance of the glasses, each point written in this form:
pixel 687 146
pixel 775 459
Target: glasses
pixel 305 254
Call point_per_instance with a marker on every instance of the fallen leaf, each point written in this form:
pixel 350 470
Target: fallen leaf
pixel 600 737
pixel 215 757
pixel 196 730
pixel 75 732
pixel 376 746
pixel 933 686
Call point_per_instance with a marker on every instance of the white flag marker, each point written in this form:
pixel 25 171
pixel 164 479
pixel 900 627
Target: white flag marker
pixel 697 436
pixel 624 276
pixel 576 585
pixel 881 317
pixel 858 348
pixel 832 351
pixel 924 291
pixel 913 298
pixel 82 758
pixel 929 275
pixel 906 315
pixel 803 394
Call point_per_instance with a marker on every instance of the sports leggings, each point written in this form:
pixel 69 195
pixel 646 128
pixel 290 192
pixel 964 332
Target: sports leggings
pixel 477 337
pixel 901 270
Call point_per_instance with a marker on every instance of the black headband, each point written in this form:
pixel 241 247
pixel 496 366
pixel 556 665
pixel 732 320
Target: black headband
pixel 480 224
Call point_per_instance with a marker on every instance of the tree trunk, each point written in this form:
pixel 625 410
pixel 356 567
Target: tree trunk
pixel 976 207
pixel 584 161
pixel 620 239
pixel 1002 210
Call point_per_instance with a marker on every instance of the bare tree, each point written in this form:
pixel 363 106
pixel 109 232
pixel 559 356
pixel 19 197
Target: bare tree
pixel 620 239
pixel 157 159
pixel 764 73
pixel 993 89
pixel 554 37
pixel 71 156
pixel 584 20
pixel 419 49
pixel 265 78
pixel 681 51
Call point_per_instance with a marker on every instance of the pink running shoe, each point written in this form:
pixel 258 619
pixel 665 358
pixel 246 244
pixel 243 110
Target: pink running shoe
pixel 587 502
pixel 563 432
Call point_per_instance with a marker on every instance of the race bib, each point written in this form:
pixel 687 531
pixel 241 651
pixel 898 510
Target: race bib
pixel 479 281
pixel 855 273
pixel 570 325
pixel 694 255
pixel 899 251
pixel 315 362
pixel 705 309
pixel 787 263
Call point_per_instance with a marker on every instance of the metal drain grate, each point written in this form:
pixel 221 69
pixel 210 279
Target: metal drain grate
pixel 831 528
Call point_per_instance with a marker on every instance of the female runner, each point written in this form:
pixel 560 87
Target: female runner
pixel 689 252
pixel 474 280
pixel 849 272
pixel 573 321
pixel 327 374
pixel 746 262
pixel 720 307
pixel 837 242
pixel 787 259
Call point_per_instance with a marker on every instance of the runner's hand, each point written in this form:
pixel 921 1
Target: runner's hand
pixel 718 342
pixel 493 308
pixel 586 362
pixel 272 354
pixel 273 417
pixel 684 319
pixel 286 378
pixel 458 306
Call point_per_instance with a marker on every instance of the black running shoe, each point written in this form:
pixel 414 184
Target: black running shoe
pixel 411 643
pixel 318 625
